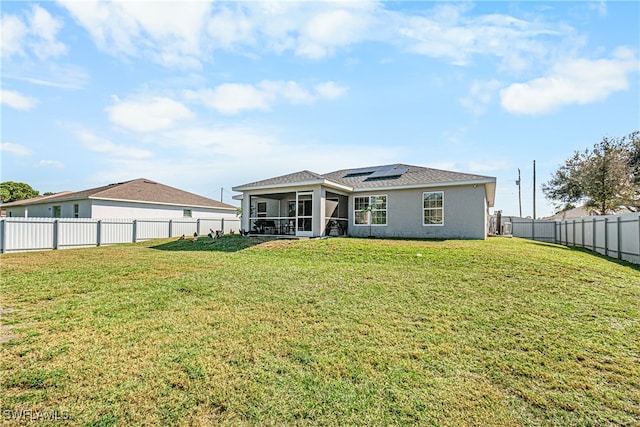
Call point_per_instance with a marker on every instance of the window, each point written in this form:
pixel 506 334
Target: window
pixel 433 208
pixel 56 212
pixel 370 210
pixel 76 210
pixel 262 209
pixel 186 213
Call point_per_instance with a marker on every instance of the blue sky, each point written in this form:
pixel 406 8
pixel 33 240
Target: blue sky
pixel 208 95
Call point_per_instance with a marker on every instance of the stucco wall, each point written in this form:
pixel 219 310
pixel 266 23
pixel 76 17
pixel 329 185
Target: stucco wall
pixel 46 210
pixel 464 215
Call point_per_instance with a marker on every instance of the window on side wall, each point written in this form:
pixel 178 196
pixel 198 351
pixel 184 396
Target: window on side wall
pixel 433 208
pixel 76 210
pixel 370 210
pixel 186 213
pixel 57 212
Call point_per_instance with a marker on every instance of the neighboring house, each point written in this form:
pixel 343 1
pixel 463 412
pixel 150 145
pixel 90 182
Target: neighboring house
pixel 139 198
pixel 582 212
pixel 382 201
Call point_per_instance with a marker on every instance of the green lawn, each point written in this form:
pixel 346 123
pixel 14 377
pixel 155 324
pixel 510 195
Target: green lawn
pixel 321 332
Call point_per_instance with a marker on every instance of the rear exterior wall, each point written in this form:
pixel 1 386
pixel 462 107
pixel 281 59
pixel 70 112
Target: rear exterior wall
pixel 465 214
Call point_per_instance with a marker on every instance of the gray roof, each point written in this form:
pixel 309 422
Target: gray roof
pixel 292 178
pixel 137 190
pixel 414 176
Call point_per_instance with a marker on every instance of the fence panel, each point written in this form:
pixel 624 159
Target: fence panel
pixel 114 231
pixel 147 229
pixel 73 233
pixel 208 224
pixel 630 238
pixel 600 233
pixel 28 235
pixel 616 236
pixel 184 226
pixel 232 225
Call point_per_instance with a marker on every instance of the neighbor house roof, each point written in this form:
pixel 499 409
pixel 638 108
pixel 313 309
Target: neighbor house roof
pixel 138 190
pixel 362 179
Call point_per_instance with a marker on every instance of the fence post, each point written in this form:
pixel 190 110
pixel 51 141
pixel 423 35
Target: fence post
pixel 98 231
pixel 3 233
pixel 606 236
pixel 222 225
pixel 593 240
pixel 555 232
pixel 170 227
pixel 574 232
pixel 55 234
pixel 198 226
pixel 582 233
pixel 619 237
pixel 533 229
pixel 135 230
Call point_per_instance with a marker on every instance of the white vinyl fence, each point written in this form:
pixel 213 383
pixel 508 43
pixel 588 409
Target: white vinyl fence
pixel 32 234
pixel 616 236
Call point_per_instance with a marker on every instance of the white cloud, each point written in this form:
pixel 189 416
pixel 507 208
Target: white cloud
pixel 61 76
pixel 481 94
pixel 45 29
pixel 448 32
pixel 13 33
pixel 330 90
pixel 168 32
pixel 234 98
pixel 102 145
pixel 326 31
pixel 38 34
pixel 51 163
pixel 17 149
pixel 16 100
pixel 148 113
pixel 600 7
pixel 572 81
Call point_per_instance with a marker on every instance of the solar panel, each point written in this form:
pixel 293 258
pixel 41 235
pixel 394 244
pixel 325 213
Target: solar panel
pixel 371 169
pixel 388 173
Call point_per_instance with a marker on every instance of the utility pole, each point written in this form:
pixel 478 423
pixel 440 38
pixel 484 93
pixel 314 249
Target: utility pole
pixel 519 184
pixel 221 192
pixel 534 189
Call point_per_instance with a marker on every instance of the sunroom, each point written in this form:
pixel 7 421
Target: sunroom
pixel 301 213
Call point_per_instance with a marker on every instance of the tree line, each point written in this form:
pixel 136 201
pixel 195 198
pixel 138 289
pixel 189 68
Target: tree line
pixel 603 178
pixel 11 191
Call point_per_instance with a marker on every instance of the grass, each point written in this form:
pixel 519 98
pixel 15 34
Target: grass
pixel 322 332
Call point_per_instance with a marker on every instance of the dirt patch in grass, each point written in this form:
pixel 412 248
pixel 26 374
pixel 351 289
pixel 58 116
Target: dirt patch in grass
pixel 227 243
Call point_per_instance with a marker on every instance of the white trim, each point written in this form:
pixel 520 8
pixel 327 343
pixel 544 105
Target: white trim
pixel 424 185
pixel 324 182
pixel 368 224
pixel 159 203
pixel 423 209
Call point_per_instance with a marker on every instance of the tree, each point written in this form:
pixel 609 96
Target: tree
pixel 604 178
pixel 12 191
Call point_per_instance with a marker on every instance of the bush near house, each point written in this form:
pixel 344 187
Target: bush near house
pixel 326 332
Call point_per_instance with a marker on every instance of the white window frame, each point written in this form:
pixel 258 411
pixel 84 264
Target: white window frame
pixel 441 208
pixel 368 223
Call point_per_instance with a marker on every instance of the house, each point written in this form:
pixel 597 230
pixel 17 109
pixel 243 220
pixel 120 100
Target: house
pixel 383 201
pixel 582 212
pixel 138 198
